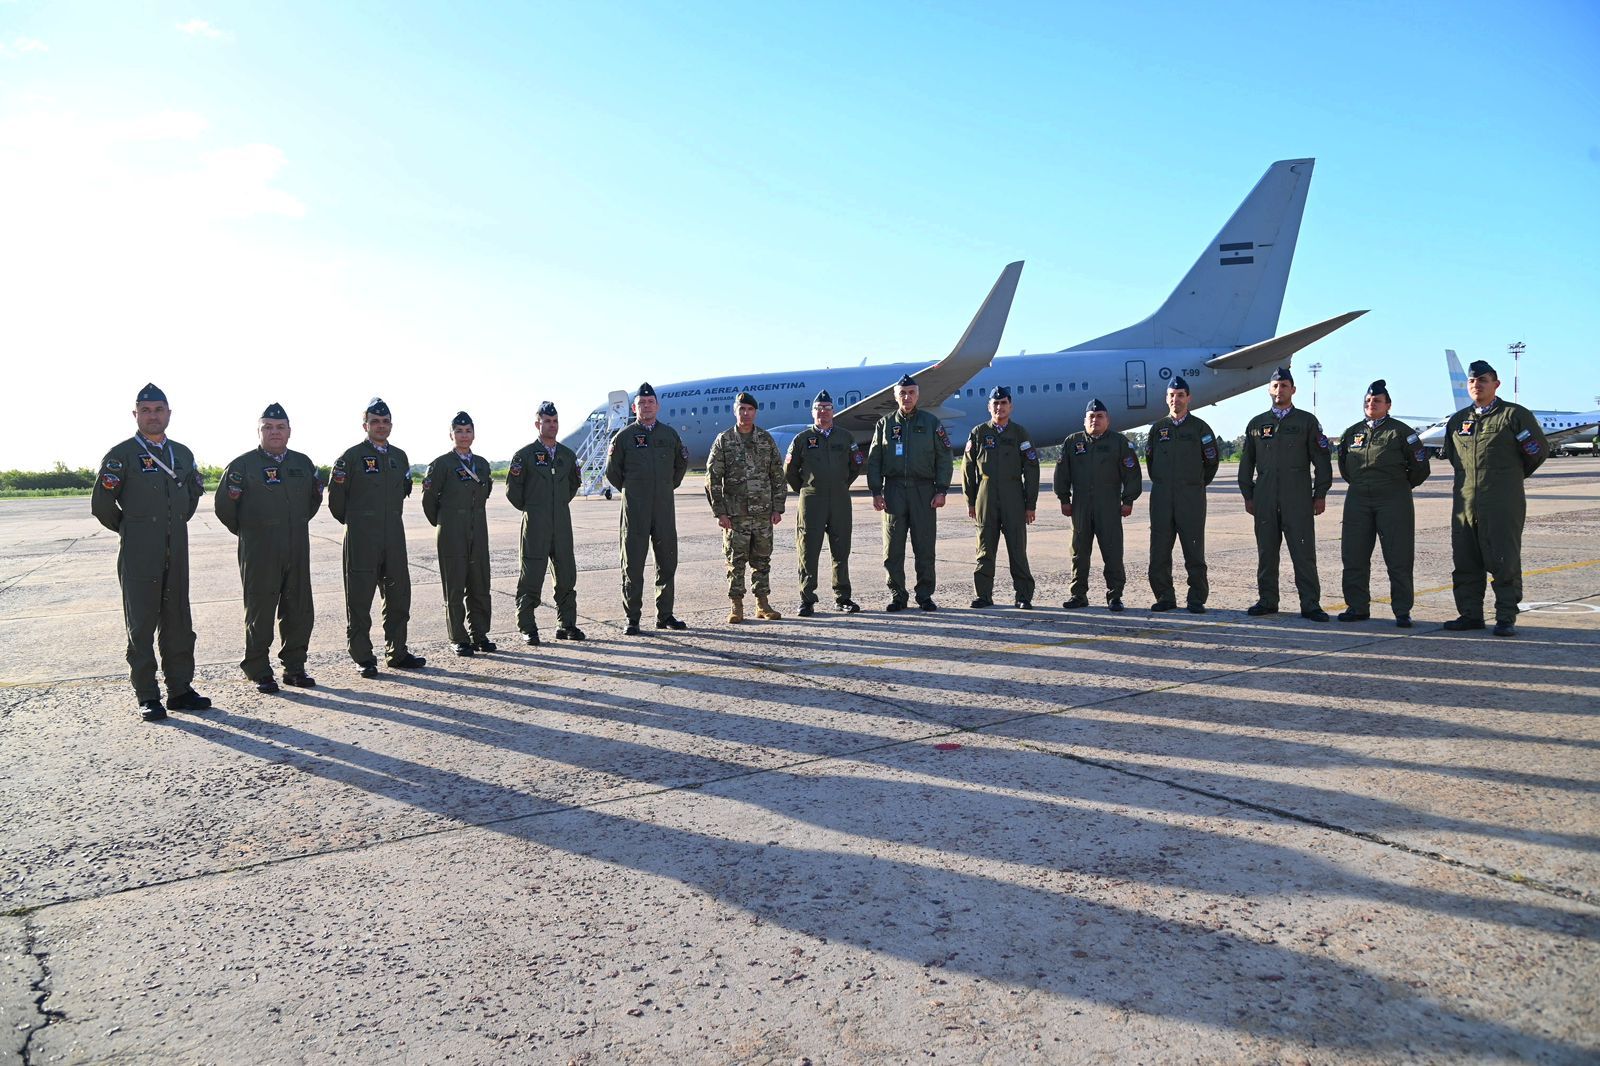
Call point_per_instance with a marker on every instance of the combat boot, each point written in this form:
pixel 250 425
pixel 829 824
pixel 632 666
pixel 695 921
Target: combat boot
pixel 735 610
pixel 765 609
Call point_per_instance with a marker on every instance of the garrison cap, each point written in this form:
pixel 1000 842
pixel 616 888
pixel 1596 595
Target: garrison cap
pixel 275 411
pixel 547 410
pixel 1282 374
pixel 461 419
pixel 375 406
pixel 1179 384
pixel 744 399
pixel 999 392
pixel 906 381
pixel 151 393
pixel 822 398
pixel 1480 368
pixel 1379 388
pixel 1094 405
pixel 645 390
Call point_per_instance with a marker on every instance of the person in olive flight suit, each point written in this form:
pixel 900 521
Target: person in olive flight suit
pixel 542 480
pixel 146 493
pixel 745 486
pixel 1000 479
pixel 1493 447
pixel 370 484
pixel 908 473
pixel 822 463
pixel 267 498
pixel 1181 458
pixel 1383 460
pixel 455 492
pixel 647 461
pixel 1097 479
pixel 1285 473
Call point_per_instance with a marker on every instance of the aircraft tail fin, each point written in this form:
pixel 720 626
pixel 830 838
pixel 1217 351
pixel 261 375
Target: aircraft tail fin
pixel 1232 295
pixel 1458 380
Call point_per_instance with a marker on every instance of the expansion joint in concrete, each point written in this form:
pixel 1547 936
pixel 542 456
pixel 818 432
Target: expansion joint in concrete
pixel 38 987
pixel 1550 888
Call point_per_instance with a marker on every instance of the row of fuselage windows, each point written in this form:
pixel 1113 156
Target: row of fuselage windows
pixel 772 405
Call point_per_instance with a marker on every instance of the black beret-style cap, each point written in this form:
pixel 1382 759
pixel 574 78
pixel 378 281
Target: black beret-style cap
pixel 745 400
pixel 1179 384
pixel 999 392
pixel 275 411
pixel 822 398
pixel 1480 368
pixel 1379 388
pixel 906 380
pixel 151 393
pixel 646 390
pixel 1282 374
pixel 375 406
pixel 461 419
pixel 547 410
pixel 1094 405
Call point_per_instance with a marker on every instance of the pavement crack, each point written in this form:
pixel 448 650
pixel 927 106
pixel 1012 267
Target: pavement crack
pixel 38 988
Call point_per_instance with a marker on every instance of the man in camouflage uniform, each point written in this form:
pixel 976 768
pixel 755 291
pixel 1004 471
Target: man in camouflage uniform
pixel 1097 479
pixel 370 484
pixel 455 494
pixel 146 493
pixel 1493 446
pixel 744 482
pixel 647 461
pixel 1001 481
pixel 1382 460
pixel 1285 473
pixel 1181 458
pixel 543 479
pixel 822 463
pixel 908 473
pixel 267 498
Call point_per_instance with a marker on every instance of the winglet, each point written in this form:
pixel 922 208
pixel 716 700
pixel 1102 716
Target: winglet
pixel 982 338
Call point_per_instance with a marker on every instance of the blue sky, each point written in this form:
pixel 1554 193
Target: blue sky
pixel 483 207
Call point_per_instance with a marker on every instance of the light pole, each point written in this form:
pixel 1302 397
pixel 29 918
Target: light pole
pixel 1315 368
pixel 1516 351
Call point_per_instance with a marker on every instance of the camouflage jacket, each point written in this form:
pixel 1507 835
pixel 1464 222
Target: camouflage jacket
pixel 744 475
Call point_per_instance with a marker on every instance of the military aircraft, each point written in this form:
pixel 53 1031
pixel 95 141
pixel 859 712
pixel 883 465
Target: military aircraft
pixel 1217 329
pixel 1563 429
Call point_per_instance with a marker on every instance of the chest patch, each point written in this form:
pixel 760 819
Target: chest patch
pixel 463 474
pixel 1466 428
pixel 1358 441
pixel 1080 447
pixel 896 431
pixel 272 475
pixel 988 440
pixel 1163 434
pixel 541 458
pixel 813 442
pixel 1267 432
pixel 641 440
pixel 147 464
pixel 369 464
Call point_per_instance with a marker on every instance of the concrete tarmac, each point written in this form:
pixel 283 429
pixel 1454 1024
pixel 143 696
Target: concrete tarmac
pixel 966 836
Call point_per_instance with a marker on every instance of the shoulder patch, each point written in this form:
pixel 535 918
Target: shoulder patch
pixel 338 464
pixel 113 464
pixel 1206 438
pixel 1322 441
pixel 1413 439
pixel 110 481
pixel 1525 434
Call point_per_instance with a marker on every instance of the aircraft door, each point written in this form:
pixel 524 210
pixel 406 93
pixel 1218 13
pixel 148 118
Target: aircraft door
pixel 853 396
pixel 1136 389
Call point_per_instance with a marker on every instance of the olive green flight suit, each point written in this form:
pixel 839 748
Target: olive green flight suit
pixel 744 482
pixel 1000 479
pixel 268 503
pixel 368 496
pixel 455 492
pixel 1276 472
pixel 821 467
pixel 647 464
pixel 1382 464
pixel 1492 454
pixel 1098 476
pixel 1181 459
pixel 908 464
pixel 149 510
pixel 541 486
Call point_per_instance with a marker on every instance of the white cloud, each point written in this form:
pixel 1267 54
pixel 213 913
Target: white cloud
pixel 23 46
pixel 202 28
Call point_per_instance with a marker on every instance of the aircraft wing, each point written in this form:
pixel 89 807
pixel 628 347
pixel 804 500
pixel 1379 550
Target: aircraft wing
pixel 1281 348
pixel 1558 437
pixel 973 352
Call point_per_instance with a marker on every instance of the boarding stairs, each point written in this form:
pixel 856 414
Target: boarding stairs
pixel 603 425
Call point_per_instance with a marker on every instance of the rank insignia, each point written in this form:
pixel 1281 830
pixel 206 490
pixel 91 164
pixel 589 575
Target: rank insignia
pixel 271 475
pixel 1080 447
pixel 1466 428
pixel 110 481
pixel 1358 441
pixel 147 463
pixel 1267 431
pixel 1163 434
pixel 369 464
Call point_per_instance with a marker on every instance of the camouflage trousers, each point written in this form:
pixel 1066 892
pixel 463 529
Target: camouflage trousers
pixel 749 542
